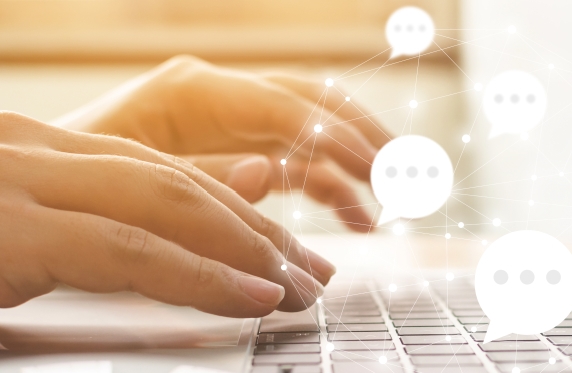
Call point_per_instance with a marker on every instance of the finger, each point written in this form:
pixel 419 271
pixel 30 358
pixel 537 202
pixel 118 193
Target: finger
pixel 247 174
pixel 101 255
pixel 335 102
pixel 296 253
pixel 167 203
pixel 323 183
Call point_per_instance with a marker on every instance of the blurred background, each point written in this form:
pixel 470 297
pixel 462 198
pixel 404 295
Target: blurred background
pixel 56 55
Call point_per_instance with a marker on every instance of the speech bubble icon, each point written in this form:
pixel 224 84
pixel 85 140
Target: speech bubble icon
pixel 514 102
pixel 412 177
pixel 523 284
pixel 409 31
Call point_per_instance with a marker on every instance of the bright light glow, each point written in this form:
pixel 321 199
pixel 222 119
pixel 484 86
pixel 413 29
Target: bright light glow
pixel 524 136
pixel 484 242
pixel 425 283
pixel 466 139
pixel 413 104
pixel 283 267
pixel 561 174
pixel 496 222
pixel 531 203
pixel 473 329
pixel 318 128
pixel 450 276
pixel 448 338
pixel 552 361
pixel 461 224
pixel 330 346
pixel 392 288
pixel 551 66
pixel 283 162
pixel 516 370
pixel 319 300
pixel 409 31
pixel 398 229
pixel 534 177
pixel 297 214
pixel 329 82
pixel 448 236
pixel 383 359
pixel 347 98
pixel 478 87
pixel 511 29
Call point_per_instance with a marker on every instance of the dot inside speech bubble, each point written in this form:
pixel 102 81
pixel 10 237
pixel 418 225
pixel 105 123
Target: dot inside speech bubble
pixel 411 177
pixel 523 284
pixel 514 102
pixel 409 31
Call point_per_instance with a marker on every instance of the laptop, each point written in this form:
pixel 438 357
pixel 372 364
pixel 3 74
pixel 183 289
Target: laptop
pixel 396 305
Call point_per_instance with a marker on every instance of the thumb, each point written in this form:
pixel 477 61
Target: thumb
pixel 247 174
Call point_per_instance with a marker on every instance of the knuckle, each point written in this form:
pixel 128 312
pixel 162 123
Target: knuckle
pixel 262 247
pixel 204 270
pixel 131 245
pixel 175 186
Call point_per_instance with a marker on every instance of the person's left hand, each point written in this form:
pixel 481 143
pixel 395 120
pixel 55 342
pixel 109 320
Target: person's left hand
pixel 188 107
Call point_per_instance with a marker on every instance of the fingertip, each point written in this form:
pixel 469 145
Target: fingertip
pixel 262 291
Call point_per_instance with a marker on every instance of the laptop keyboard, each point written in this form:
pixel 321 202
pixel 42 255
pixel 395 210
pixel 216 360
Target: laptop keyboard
pixel 435 329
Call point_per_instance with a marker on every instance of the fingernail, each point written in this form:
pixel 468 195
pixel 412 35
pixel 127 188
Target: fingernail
pixel 261 290
pixel 320 265
pixel 249 174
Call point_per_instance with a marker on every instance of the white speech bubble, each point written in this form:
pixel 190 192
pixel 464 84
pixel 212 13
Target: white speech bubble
pixel 409 31
pixel 523 284
pixel 411 177
pixel 514 102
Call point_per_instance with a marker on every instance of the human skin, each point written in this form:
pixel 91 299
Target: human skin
pixel 105 214
pixel 236 126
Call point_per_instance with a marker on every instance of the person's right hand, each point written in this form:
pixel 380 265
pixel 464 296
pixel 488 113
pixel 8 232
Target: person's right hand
pixel 105 214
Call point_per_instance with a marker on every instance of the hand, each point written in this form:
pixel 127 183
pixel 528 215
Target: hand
pixel 188 107
pixel 74 211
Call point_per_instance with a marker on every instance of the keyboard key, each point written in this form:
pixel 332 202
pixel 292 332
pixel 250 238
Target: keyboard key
pixel 359 336
pixel 480 328
pixel 532 356
pixel 365 367
pixel 293 359
pixel 566 350
pixel 535 367
pixel 422 322
pixel 445 360
pixel 565 324
pixel 558 331
pixel 346 312
pixel 277 322
pixel 363 355
pixel 265 338
pixel 431 330
pixel 453 369
pixel 296 348
pixel 473 313
pixel 513 346
pixel 354 319
pixel 287 368
pixel 415 308
pixel 364 345
pixel 356 328
pixel 417 315
pixel 473 320
pixel 480 337
pixel 561 340
pixel 432 339
pixel 439 350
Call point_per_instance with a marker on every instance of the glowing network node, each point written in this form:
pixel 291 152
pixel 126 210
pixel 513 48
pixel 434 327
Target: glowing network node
pixel 524 136
pixel 383 359
pixel 392 288
pixel 448 338
pixel 448 236
pixel 319 300
pixel 283 267
pixel 398 229
pixel 474 329
pixel 551 66
pixel 478 86
pixel 330 346
pixel 552 361
pixel 461 224
pixel 450 276
pixel 466 138
pixel 425 283
pixel 413 104
pixel 329 82
pixel 516 370
pixel 297 214
pixel 531 203
pixel 561 173
pixel 496 222
pixel 283 162
pixel 348 98
pixel 534 177
pixel 484 242
pixel 511 29
pixel 318 128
